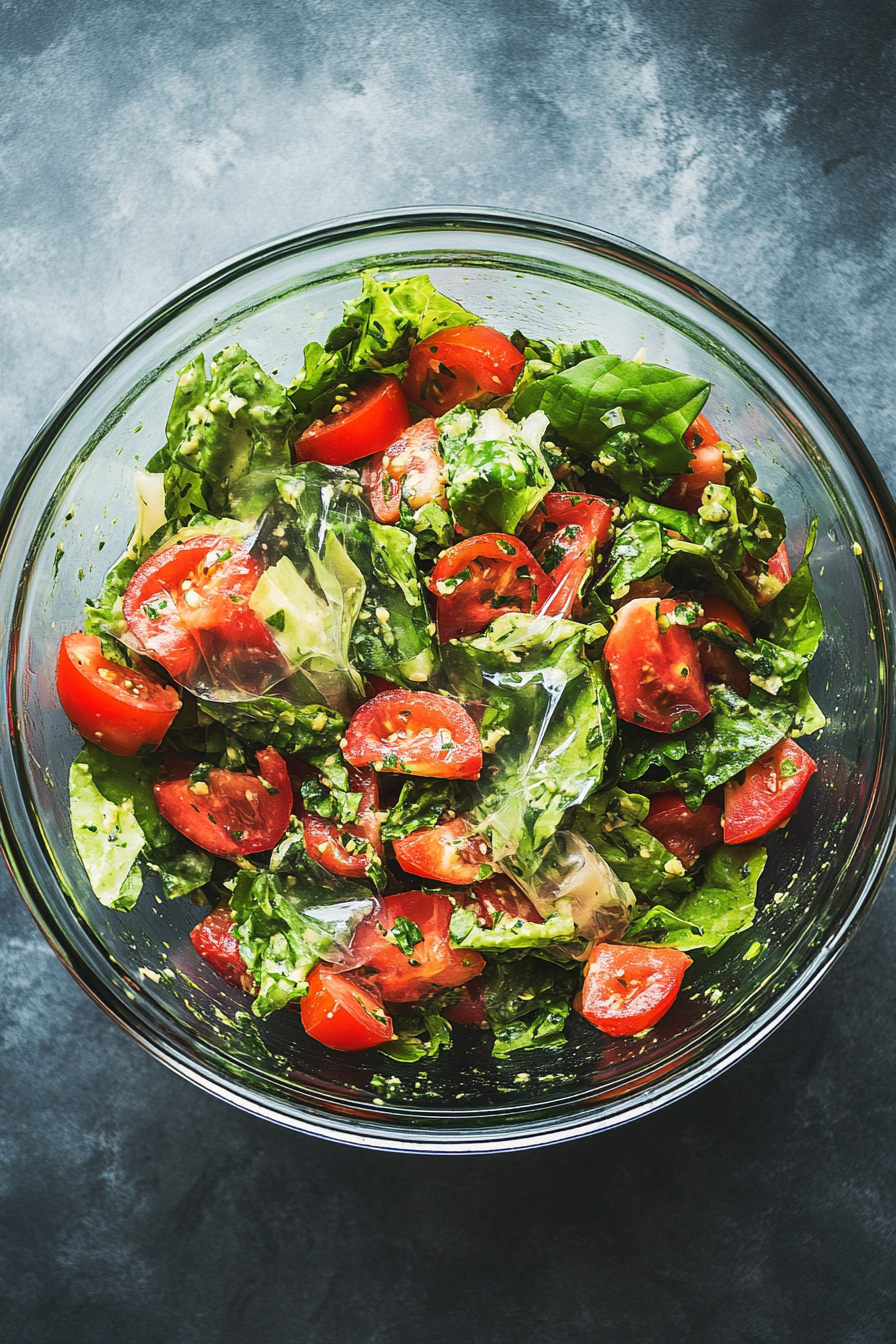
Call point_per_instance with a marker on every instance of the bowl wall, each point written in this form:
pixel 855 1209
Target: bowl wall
pixel 69 513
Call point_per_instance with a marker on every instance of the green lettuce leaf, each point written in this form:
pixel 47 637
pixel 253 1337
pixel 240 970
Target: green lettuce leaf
pixel 421 1029
pixel 771 667
pixel 609 821
pixel 420 805
pixel 269 721
pixel 509 933
pixel 497 473
pixel 639 552
pixel 527 1003
pixel 723 905
pixel 793 618
pixel 279 945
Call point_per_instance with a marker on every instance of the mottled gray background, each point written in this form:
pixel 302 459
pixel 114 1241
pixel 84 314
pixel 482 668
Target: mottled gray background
pixel 752 140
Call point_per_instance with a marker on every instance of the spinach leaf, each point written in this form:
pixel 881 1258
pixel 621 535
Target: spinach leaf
pixel 794 618
pixel 639 552
pixel 809 718
pixel 393 634
pixel 272 722
pixel 278 944
pixel 610 823
pixel 771 668
pixel 527 1003
pixel 420 806
pixel 497 472
pixel 723 905
pixel 737 733
pixel 550 718
pixel 713 531
pixel 587 402
pixel 421 1029
pixel 544 358
pixel 762 526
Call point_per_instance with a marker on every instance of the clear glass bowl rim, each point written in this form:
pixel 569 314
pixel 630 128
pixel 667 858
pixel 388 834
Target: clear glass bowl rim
pixel 692 1074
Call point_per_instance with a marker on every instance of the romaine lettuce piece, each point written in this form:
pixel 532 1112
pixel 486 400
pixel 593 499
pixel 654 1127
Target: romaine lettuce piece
pixel 724 904
pixel 509 934
pixel 108 838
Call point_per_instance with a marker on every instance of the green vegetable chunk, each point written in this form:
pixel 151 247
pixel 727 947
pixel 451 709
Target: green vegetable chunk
pixel 497 473
pixel 723 905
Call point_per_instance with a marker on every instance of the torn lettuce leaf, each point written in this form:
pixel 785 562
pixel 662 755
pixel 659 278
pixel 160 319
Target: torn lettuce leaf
pixel 551 718
pixel 794 618
pixel 421 805
pixel 272 722
pixel 639 552
pixel 770 667
pixel 421 1030
pixel 527 1003
pixel 108 839
pixel 610 822
pixel 509 933
pixel 497 472
pixel 723 905
pixel 278 944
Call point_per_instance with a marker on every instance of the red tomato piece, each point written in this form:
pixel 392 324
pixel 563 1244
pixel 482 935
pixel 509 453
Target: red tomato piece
pixel 564 533
pixel 770 793
pixel 113 706
pixel 499 896
pixel 628 989
pixel 462 364
pixel 367 421
pixel 484 577
pixel 414 733
pixel 469 1010
pixel 686 491
pixel 330 843
pixel 779 565
pixel 343 1012
pixel 229 813
pixel 701 434
pixel 683 832
pixel 447 853
pixel 187 604
pixel 434 963
pixel 720 664
pixel 656 674
pixel 214 940
pixel 412 466
pixel 765 586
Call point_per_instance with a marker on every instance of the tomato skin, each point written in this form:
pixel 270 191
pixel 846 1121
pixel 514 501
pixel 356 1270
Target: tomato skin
pixel 683 832
pixel 323 836
pixel 720 664
pixel 701 434
pixel 778 571
pixel 565 533
pixel 368 421
pixel 417 721
pixel 215 626
pixel 231 813
pixel 503 576
pixel 628 989
pixel 437 964
pixel 469 1011
pixel 343 1012
pixel 686 491
pixel 214 940
pixel 447 853
pixel 120 709
pixel 656 674
pixel 412 466
pixel 499 896
pixel 767 798
pixel 461 364
pixel 779 565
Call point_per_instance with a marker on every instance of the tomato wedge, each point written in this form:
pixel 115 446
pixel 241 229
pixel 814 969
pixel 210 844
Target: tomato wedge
pixel 343 1012
pixel 367 421
pixel 447 853
pixel 431 962
pixel 113 706
pixel 187 607
pixel 683 832
pixel 469 1010
pixel 656 674
pixel 707 468
pixel 214 940
pixel 765 586
pixel 770 793
pixel 229 813
pixel 484 577
pixel 498 896
pixel 719 664
pixel 628 989
pixel 411 466
pixel 564 533
pixel 462 364
pixel 331 844
pixel 414 733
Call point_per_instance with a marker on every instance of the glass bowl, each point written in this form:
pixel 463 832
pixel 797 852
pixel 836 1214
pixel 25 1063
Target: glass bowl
pixel 69 512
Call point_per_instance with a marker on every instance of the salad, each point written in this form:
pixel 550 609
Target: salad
pixel 462 678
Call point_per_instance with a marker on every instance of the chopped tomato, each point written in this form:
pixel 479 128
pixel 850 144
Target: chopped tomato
pixel 414 733
pixel 656 674
pixel 343 1012
pixel 229 813
pixel 113 706
pixel 499 896
pixel 214 940
pixel 564 533
pixel 447 853
pixel 770 793
pixel 469 1010
pixel 720 664
pixel 701 434
pixel 707 467
pixel 411 466
pixel 188 605
pixel 462 364
pixel 484 577
pixel 628 989
pixel 431 964
pixel 764 585
pixel 367 421
pixel 683 832
pixel 337 846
